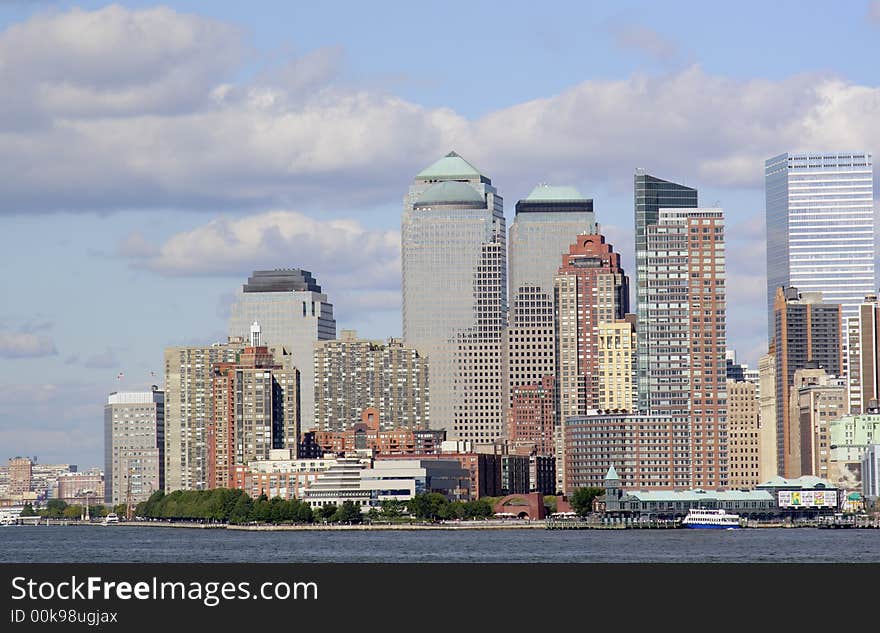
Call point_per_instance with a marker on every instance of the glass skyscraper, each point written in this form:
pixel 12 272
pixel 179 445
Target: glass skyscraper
pixel 547 222
pixel 455 294
pixel 292 312
pixel 651 194
pixel 820 227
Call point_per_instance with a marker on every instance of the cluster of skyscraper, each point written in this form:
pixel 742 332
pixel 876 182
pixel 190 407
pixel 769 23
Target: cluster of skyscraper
pixel 528 340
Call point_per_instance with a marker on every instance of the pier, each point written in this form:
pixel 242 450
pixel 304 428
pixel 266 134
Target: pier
pixel 581 524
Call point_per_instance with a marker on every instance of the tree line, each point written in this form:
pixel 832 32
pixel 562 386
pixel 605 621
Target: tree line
pixel 225 505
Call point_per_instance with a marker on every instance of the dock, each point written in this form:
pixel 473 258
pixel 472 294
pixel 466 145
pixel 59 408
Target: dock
pixel 581 524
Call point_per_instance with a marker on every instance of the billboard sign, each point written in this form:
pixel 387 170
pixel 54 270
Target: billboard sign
pixel 807 498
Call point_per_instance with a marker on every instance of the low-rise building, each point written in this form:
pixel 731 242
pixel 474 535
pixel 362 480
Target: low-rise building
pixel 803 497
pixel 368 435
pixel 851 435
pixel 641 446
pixel 350 479
pixel 82 488
pixel 282 475
pixel 660 504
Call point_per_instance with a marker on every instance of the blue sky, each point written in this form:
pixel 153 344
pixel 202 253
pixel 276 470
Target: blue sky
pixel 152 156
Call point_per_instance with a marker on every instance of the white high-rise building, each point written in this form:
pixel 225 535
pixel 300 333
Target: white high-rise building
pixel 455 294
pixel 820 226
pixel 293 313
pixel 134 445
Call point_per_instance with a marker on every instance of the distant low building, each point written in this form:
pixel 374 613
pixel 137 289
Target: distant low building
pixel 350 479
pixel 282 475
pixel 82 488
pixel 368 435
pixel 803 497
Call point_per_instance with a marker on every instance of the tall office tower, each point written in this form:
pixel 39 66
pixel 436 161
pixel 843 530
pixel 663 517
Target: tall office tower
pixel 255 409
pixel 863 349
pixel 292 312
pixel 590 289
pixel 546 222
pixel 353 374
pixel 816 400
pixel 455 294
pixel 134 445
pixel 767 460
pixel 189 375
pixel 617 365
pixel 684 317
pixel 820 226
pixel 651 194
pixel 805 329
pixel 743 421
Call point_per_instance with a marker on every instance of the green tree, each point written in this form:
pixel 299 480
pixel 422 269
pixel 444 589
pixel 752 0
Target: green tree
pixel 582 500
pixel 55 508
pixel 348 512
pixel 478 509
pixel 392 508
pixel 150 507
pixel 28 511
pixel 242 511
pixel 262 513
pixel 328 511
pixel 72 512
pixel 453 510
pixel 98 511
pixel 550 503
pixel 427 506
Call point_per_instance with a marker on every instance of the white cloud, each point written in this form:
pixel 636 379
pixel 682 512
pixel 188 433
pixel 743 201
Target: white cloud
pixel 120 108
pixel 23 344
pixel 646 40
pixel 339 250
pixel 135 245
pixel 115 62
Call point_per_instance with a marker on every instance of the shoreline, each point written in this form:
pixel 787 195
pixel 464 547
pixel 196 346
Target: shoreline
pixel 310 527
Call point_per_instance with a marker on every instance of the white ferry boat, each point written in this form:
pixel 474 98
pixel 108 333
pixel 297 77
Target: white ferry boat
pixel 710 519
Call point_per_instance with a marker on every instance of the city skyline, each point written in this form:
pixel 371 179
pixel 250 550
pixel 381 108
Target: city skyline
pixel 124 240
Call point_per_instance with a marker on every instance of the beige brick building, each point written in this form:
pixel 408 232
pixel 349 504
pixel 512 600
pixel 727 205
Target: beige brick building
pixel 743 434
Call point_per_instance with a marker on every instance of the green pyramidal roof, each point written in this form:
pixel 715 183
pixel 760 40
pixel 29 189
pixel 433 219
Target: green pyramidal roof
pixel 450 166
pixel 551 192
pixel 611 474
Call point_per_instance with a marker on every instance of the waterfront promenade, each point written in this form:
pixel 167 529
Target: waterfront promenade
pixel 851 522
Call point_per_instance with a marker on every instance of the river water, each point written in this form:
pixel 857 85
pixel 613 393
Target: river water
pixel 89 544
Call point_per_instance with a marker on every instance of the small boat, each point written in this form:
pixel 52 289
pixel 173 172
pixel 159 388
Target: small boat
pixel 111 518
pixel 710 519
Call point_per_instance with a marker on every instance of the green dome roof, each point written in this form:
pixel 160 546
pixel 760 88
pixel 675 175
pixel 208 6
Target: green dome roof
pixel 451 192
pixel 450 166
pixel 545 192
